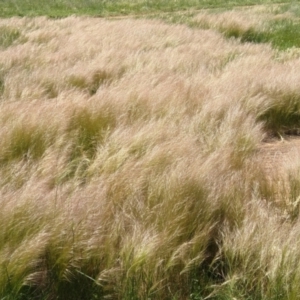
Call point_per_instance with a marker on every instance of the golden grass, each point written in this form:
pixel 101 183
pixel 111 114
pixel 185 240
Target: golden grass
pixel 129 163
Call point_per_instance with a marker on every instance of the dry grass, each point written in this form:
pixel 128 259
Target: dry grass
pixel 129 165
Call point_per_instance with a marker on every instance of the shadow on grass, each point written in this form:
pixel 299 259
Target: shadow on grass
pixel 283 117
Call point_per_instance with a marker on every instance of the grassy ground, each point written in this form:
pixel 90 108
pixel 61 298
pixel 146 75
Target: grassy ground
pixel 129 164
pixel 62 8
pixel 275 24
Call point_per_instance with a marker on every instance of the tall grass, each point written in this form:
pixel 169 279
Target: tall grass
pixel 8 35
pixel 131 167
pixel 277 25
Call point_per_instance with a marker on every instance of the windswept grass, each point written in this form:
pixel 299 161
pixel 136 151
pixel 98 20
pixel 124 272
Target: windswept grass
pixel 8 35
pixel 130 166
pixel 277 24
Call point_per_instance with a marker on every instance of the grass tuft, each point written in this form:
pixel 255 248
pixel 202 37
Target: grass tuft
pixel 248 36
pixel 283 116
pixel 93 82
pixel 8 35
pixel 24 142
pixel 89 129
pixel 2 81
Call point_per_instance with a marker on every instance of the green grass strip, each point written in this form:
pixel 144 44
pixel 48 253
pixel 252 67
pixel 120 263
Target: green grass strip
pixel 63 8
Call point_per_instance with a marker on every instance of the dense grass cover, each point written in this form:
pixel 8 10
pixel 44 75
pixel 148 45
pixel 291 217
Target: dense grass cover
pixel 63 8
pixel 130 162
pixel 275 24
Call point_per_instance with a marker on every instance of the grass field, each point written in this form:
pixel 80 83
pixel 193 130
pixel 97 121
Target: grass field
pixel 63 8
pixel 129 151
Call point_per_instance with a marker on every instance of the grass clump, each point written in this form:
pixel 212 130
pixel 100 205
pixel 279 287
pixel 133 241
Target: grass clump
pixel 248 36
pixel 283 116
pixel 92 83
pixel 50 89
pixel 87 131
pixel 2 81
pixel 8 35
pixel 24 142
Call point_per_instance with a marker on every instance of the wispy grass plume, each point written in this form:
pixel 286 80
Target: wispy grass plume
pixel 131 163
